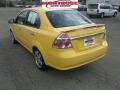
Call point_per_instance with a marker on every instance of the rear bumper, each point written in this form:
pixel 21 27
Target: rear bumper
pixel 94 14
pixel 71 59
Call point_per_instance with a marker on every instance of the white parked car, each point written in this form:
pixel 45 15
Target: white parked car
pixel 82 7
pixel 101 10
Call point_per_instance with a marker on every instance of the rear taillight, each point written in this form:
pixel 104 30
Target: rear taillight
pixel 62 41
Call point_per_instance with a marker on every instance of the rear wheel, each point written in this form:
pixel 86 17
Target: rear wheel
pixel 39 60
pixel 115 14
pixel 102 15
pixel 90 16
pixel 12 38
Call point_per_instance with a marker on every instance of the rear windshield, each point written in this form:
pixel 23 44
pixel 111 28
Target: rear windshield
pixel 92 6
pixel 66 18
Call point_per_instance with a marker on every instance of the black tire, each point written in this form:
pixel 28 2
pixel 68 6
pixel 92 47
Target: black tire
pixel 39 61
pixel 13 40
pixel 90 16
pixel 115 14
pixel 102 15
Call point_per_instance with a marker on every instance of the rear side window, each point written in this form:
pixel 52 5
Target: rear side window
pixel 33 20
pixel 92 6
pixel 21 18
pixel 105 7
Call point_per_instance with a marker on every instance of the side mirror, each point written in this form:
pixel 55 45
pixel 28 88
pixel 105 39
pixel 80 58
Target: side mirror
pixel 11 21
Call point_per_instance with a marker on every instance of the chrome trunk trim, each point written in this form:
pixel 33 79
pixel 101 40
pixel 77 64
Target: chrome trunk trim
pixel 77 37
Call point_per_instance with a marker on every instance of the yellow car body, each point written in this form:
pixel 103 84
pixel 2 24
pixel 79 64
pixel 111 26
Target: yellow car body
pixel 43 38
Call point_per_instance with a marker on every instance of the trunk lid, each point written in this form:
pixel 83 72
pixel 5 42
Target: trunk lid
pixel 85 36
pixel 94 11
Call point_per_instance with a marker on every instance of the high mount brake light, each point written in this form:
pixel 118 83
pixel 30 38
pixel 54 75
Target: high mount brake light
pixel 62 41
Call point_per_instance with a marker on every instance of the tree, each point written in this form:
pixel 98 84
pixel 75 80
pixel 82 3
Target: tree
pixel 2 3
pixel 10 4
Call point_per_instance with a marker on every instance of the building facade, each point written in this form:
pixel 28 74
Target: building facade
pixel 113 2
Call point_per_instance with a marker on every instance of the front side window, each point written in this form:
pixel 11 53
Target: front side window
pixel 33 19
pixel 21 18
pixel 66 18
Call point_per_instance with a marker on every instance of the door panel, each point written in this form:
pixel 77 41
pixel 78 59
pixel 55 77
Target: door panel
pixel 18 26
pixel 15 31
pixel 30 29
pixel 105 9
pixel 29 36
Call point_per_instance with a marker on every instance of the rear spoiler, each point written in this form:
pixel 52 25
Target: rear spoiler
pixel 83 27
pixel 76 37
pixel 96 25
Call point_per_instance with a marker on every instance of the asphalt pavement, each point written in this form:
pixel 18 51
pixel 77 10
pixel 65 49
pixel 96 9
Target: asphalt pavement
pixel 18 70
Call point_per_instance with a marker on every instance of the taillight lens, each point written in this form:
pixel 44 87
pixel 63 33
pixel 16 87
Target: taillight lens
pixel 62 41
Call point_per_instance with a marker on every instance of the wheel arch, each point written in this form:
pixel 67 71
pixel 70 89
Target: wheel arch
pixel 103 13
pixel 10 30
pixel 116 12
pixel 42 51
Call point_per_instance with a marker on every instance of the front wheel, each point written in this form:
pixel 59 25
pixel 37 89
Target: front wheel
pixel 39 60
pixel 13 40
pixel 115 14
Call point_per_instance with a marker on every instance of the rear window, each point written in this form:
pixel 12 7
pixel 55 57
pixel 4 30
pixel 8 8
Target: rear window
pixel 66 18
pixel 92 6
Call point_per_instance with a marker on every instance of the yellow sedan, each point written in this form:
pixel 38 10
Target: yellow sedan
pixel 62 39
